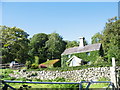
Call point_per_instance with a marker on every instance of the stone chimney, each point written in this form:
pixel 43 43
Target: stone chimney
pixel 81 44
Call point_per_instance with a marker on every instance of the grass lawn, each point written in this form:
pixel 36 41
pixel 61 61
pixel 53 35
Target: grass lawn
pixel 17 85
pixel 98 85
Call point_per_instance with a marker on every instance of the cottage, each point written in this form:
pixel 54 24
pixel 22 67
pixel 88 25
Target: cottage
pixel 84 52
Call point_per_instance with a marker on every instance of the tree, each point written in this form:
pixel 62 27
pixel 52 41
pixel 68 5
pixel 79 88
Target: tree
pixel 110 38
pixel 71 44
pixel 14 44
pixel 97 38
pixel 74 43
pixel 55 46
pixel 37 46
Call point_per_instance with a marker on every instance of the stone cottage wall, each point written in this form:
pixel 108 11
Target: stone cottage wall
pixel 75 75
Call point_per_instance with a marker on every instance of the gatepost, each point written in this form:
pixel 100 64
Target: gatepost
pixel 113 75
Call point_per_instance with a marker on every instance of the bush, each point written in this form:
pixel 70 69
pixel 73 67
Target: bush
pixel 36 59
pixel 5 74
pixel 28 64
pixel 34 66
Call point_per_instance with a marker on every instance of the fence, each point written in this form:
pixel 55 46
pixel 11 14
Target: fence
pixel 80 83
pixel 4 66
pixel 17 66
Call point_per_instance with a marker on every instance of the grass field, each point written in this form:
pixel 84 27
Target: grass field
pixel 17 85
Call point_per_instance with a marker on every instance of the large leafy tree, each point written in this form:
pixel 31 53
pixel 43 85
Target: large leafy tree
pixel 74 43
pixel 37 44
pixel 97 38
pixel 71 44
pixel 55 46
pixel 110 39
pixel 14 44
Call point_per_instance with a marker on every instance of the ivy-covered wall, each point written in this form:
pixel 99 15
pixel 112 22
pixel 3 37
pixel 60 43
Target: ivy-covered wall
pixel 86 56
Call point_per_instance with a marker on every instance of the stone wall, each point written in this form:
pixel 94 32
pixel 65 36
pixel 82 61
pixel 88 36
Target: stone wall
pixel 75 75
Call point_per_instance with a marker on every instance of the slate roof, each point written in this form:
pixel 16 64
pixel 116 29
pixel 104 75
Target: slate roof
pixel 87 48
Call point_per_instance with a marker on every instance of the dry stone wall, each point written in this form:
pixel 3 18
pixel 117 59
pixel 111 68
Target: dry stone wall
pixel 75 75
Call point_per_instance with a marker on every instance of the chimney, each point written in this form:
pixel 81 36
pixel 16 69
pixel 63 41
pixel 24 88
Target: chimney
pixel 81 44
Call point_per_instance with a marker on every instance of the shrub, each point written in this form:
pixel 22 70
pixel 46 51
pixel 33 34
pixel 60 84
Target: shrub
pixel 5 74
pixel 34 66
pixel 28 64
pixel 36 59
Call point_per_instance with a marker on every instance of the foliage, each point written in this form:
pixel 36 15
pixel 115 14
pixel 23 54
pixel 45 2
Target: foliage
pixel 71 44
pixel 89 58
pixel 36 60
pixel 74 43
pixel 34 66
pixel 55 46
pixel 97 38
pixel 14 44
pixel 37 47
pixel 28 64
pixel 99 60
pixel 4 75
pixel 110 38
pixel 46 47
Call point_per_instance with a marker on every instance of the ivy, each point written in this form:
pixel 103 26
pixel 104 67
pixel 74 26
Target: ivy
pixel 91 57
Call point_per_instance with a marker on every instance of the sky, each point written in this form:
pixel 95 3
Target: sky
pixel 70 19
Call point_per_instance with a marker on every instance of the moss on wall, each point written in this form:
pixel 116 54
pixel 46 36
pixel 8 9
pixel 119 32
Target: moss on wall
pixel 86 56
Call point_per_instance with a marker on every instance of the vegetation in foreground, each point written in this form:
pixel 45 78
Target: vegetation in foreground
pixel 17 85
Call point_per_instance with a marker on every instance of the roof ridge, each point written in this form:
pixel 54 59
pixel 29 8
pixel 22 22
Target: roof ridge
pixel 87 48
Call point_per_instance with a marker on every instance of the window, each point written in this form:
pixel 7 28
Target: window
pixel 69 56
